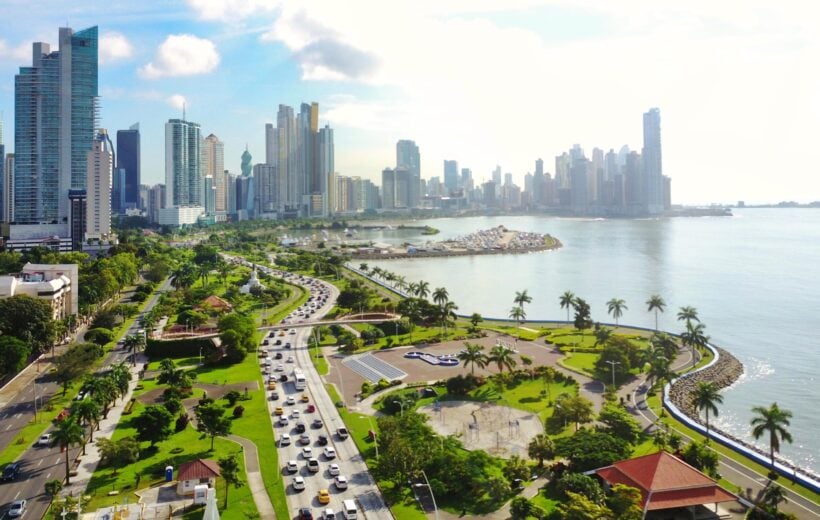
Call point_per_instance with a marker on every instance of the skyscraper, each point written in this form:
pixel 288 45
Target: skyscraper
pixel 450 176
pixel 55 120
pixel 408 157
pixel 3 175
pixel 8 188
pixel 327 168
pixel 290 194
pixel 98 188
pixel 183 174
pixel 652 164
pixel 213 165
pixel 128 159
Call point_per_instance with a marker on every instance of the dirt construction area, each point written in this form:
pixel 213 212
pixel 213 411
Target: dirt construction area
pixel 498 430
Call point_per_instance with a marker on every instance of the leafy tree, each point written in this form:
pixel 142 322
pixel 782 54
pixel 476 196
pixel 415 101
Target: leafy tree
pixel 356 295
pixel 211 421
pixel 13 354
pixel 244 331
pixel 118 453
pixel 153 424
pixel 655 303
pixel 571 482
pixel 74 362
pixel 516 468
pixel 157 271
pixel 67 433
pixel 541 448
pixel 573 408
pixel 100 336
pixel 616 308
pixel 772 421
pixel 698 455
pixel 618 357
pixel 106 319
pixel 583 319
pixel 620 423
pixel 567 300
pixel 472 355
pixel 579 507
pixel 458 385
pixel 520 508
pixel 625 502
pixel 192 318
pixel 28 319
pixel 705 398
pixel 589 449
pixel 229 471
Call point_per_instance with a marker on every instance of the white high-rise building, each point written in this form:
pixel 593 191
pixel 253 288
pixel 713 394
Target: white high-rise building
pixel 213 164
pixel 183 174
pixel 99 167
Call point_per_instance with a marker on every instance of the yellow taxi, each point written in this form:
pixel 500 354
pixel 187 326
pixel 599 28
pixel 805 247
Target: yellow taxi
pixel 279 411
pixel 324 496
pixel 305 398
pixel 272 385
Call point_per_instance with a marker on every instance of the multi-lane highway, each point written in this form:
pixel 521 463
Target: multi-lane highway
pixel 43 463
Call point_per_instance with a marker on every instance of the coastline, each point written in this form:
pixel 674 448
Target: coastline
pixel 556 244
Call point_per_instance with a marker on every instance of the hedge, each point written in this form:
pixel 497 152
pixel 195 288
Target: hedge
pixel 178 348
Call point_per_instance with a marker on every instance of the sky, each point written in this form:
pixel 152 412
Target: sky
pixel 483 82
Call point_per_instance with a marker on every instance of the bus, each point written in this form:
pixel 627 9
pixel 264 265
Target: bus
pixel 299 380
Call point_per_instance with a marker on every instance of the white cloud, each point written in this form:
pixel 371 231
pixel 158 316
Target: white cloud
pixel 230 10
pixel 114 47
pixel 178 101
pixel 21 53
pixel 182 55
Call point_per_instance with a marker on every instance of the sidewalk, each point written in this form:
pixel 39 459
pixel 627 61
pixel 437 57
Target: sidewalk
pixel 255 481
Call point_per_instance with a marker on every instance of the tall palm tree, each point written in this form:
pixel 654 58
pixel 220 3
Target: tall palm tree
pixel 502 357
pixel 67 433
pixel 661 373
pixel 694 338
pixel 705 398
pixel 517 313
pixel 401 283
pixel 602 335
pixel 521 298
pixel 616 308
pixel 447 311
pixel 363 267
pixel 440 295
pixel 772 421
pixel 412 289
pixel 567 299
pixel 423 290
pixel 473 355
pixel 87 411
pixel 774 495
pixel 655 303
pixel 688 314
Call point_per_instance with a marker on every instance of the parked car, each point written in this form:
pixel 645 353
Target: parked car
pixel 11 472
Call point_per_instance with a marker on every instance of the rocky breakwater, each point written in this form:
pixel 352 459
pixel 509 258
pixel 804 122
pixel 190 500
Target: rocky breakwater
pixel 726 370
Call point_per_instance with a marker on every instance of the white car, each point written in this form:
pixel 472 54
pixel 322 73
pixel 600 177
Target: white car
pixel 290 400
pixel 330 452
pixel 313 465
pixel 341 482
pixel 329 514
pixel 298 483
pixel 295 414
pixel 283 420
pixel 280 368
pixel 284 440
pixel 291 466
pixel 307 452
pixel 44 440
pixel 289 359
pixel 18 507
pixel 334 470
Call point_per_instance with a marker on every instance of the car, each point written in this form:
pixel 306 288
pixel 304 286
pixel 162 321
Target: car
pixel 304 438
pixel 44 440
pixel 322 440
pixel 283 420
pixel 310 408
pixel 281 332
pixel 330 452
pixel 342 433
pixel 272 385
pixel 291 466
pixel 317 423
pixel 265 342
pixel 280 368
pixel 292 331
pixel 300 427
pixel 305 514
pixel 307 452
pixel 284 440
pixel 11 472
pixel 278 355
pixel 274 396
pixel 305 398
pixel 279 411
pixel 290 400
pixel 313 465
pixel 290 359
pixel 277 342
pixel 340 482
pixel 18 507
pixel 324 496
pixel 298 483
pixel 329 514
pixel 295 414
pixel 283 378
pixel 287 345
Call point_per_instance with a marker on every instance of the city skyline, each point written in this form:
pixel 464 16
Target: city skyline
pixel 508 84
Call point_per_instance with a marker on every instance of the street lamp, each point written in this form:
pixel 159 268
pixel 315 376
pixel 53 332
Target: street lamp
pixel 430 489
pixel 612 364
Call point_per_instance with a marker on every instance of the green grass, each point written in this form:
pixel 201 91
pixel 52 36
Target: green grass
pixel 583 362
pixel 320 362
pixel 516 331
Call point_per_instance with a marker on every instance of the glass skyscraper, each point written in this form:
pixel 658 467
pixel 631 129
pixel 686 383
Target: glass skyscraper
pixel 56 114
pixel 183 172
pixel 128 158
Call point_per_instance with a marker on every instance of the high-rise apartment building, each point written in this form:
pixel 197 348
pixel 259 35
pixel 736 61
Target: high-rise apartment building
pixel 183 173
pixel 408 157
pixel 100 161
pixel 290 194
pixel 213 165
pixel 56 107
pixel 265 185
pixel 652 163
pixel 451 176
pixel 326 169
pixel 3 175
pixel 8 188
pixel 128 160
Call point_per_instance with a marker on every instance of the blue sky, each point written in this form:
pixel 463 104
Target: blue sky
pixel 483 82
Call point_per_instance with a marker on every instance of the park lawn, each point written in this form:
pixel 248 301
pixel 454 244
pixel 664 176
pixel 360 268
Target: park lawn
pixel 358 424
pixel 380 289
pixel 320 362
pixel 583 362
pixel 297 297
pixel 568 337
pixel 517 332
pixel 247 370
pixel 547 503
pixel 525 395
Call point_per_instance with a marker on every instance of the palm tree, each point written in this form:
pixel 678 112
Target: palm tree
pixel 771 420
pixel 401 283
pixel 602 335
pixel 121 377
pixel 67 433
pixel 773 496
pixel 440 295
pixel 473 355
pixel 655 303
pixel 705 398
pixel 447 311
pixel 53 488
pixel 661 373
pixel 694 337
pixel 423 290
pixel 517 313
pixel 541 447
pixel 412 288
pixel 224 269
pixel 688 314
pixel 363 267
pixel 87 411
pixel 502 357
pixel 567 300
pixel 616 308
pixel 521 298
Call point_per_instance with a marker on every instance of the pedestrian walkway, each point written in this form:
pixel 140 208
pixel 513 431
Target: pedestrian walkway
pixel 255 481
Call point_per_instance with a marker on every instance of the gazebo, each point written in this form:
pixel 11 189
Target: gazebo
pixel 670 488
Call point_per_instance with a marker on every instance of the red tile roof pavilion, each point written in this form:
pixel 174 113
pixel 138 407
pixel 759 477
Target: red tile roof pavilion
pixel 665 482
pixel 198 469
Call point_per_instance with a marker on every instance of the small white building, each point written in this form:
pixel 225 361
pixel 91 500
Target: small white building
pixel 253 282
pixel 56 283
pixel 178 216
pixel 195 473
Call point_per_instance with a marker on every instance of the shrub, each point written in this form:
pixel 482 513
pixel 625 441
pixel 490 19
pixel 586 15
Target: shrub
pixel 232 397
pixel 173 405
pixel 580 483
pixel 238 411
pixel 182 422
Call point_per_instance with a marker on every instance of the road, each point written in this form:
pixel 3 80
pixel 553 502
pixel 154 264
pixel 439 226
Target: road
pixel 361 486
pixel 41 464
